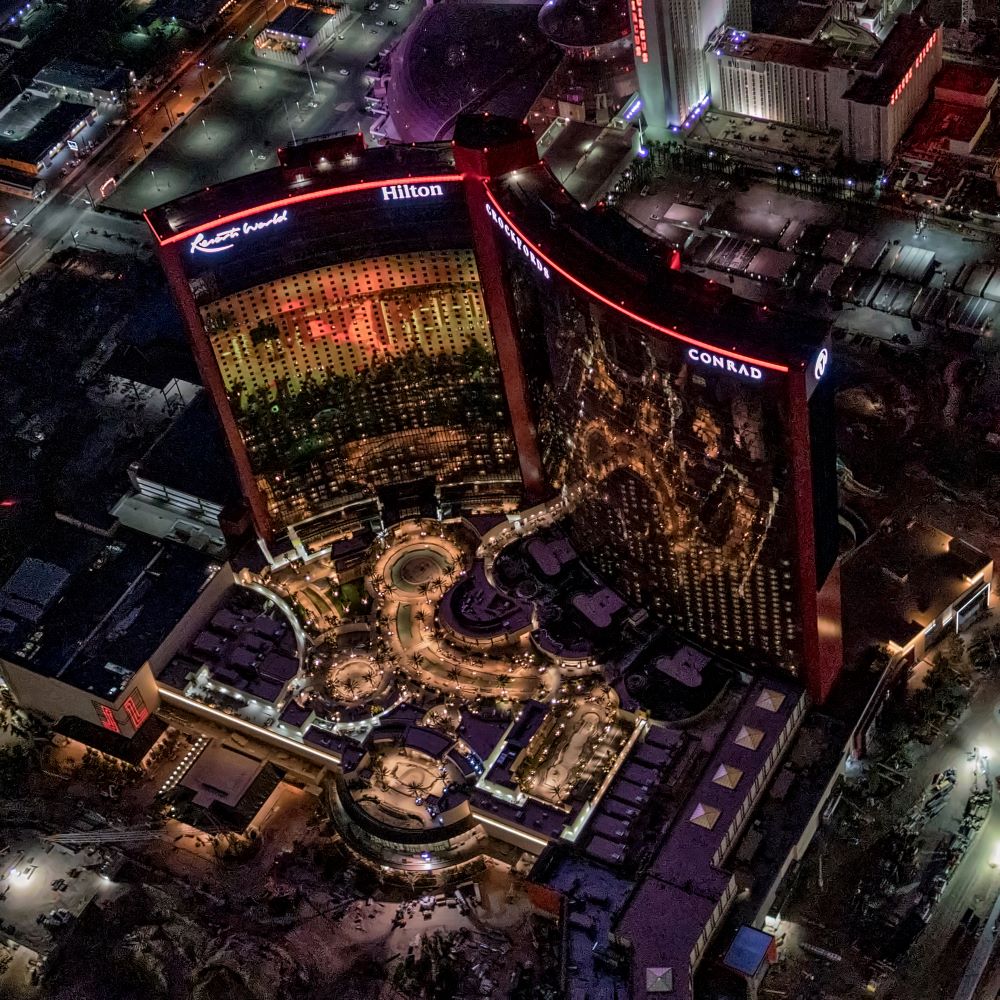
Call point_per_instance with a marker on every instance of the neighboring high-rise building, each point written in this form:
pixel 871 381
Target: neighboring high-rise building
pixel 383 327
pixel 871 102
pixel 669 37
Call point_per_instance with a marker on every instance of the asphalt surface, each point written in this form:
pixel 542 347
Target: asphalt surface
pixel 935 965
pixel 221 114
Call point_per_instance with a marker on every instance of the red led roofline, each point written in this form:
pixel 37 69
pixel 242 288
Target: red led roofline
pixel 298 199
pixel 618 307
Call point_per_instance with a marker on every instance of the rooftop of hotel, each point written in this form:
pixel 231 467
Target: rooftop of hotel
pixel 91 610
pixel 314 167
pixel 773 49
pixel 893 60
pixel 603 252
pixel 608 255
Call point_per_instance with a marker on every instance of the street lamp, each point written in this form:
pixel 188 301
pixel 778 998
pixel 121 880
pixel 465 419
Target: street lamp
pixel 142 139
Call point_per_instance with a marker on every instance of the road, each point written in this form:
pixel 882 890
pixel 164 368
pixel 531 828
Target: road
pixel 941 953
pixel 252 107
pixel 249 107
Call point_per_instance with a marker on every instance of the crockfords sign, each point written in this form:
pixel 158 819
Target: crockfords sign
pixel 822 360
pixel 406 192
pixel 225 239
pixel 712 360
pixel 529 254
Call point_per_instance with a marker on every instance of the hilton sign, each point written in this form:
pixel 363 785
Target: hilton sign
pixel 407 192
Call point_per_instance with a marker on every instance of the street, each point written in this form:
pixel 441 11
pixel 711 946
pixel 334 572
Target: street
pixel 939 958
pixel 222 114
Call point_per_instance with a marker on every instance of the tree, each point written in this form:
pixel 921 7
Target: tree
pixel 15 759
pixel 984 649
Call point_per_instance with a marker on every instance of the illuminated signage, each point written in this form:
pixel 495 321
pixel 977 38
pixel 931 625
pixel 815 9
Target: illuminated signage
pixel 107 717
pixel 135 709
pixel 529 254
pixel 406 192
pixel 822 359
pixel 225 239
pixel 639 31
pixel 713 360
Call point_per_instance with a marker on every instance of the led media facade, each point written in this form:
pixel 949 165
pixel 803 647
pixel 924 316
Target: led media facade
pixel 678 460
pixel 355 359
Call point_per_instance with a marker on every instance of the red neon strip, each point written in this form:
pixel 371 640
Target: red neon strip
pixel 297 199
pixel 108 719
pixel 628 312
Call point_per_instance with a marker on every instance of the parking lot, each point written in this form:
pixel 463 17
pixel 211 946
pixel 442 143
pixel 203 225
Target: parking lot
pixel 48 881
pixel 843 864
pixel 256 106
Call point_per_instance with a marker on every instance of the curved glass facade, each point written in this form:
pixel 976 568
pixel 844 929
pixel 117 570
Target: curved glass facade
pixel 360 375
pixel 678 469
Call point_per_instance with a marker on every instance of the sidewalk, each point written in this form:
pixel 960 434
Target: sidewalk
pixel 980 957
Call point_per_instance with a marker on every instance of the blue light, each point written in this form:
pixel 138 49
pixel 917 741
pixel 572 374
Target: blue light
pixel 643 152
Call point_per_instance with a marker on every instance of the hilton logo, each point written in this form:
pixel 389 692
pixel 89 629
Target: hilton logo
pixel 406 192
pixel 726 364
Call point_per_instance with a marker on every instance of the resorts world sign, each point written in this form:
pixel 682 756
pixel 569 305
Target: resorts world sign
pixel 225 239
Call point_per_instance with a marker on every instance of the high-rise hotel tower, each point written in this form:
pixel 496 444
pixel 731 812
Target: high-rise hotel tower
pixel 390 329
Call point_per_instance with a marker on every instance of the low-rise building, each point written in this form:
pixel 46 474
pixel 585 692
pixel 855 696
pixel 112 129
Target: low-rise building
pixel 184 487
pixel 298 33
pixel 964 83
pixel 35 128
pixel 905 588
pixel 84 83
pixel 87 622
